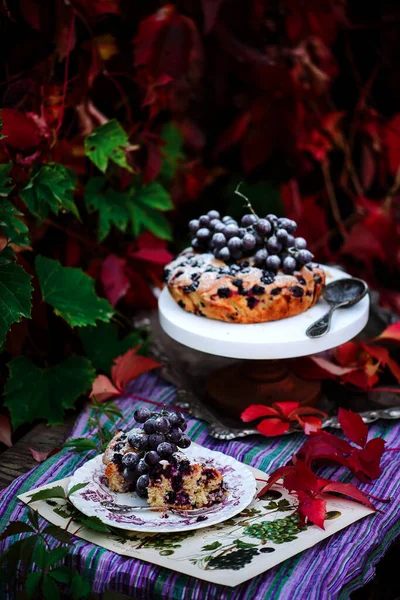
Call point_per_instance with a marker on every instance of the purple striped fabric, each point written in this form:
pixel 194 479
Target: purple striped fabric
pixel 330 570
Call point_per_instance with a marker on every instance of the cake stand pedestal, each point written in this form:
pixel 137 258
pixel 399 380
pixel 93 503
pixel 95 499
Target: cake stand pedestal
pixel 263 377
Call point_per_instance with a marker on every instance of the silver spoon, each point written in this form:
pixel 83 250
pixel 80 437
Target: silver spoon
pixel 342 293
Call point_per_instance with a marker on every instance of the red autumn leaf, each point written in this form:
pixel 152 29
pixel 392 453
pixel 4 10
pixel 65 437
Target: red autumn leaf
pixel 114 278
pixel 278 474
pixel 391 333
pixel 381 354
pixel 5 431
pixel 392 139
pixel 233 134
pixel 42 456
pixel 103 389
pixel 272 427
pixel 100 7
pixel 301 478
pixel 210 10
pixel 347 354
pixel 129 366
pixel 310 424
pixel 347 489
pixel 311 509
pixel 286 408
pixel 325 446
pixel 353 426
pixel 394 368
pixel 151 249
pixel 21 131
pixel 255 411
pixel 370 457
pixel 331 367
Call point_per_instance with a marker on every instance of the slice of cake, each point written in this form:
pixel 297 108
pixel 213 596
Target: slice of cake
pixel 148 462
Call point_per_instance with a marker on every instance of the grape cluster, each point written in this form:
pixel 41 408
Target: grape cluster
pixel 270 240
pixel 235 560
pixel 278 531
pixel 161 436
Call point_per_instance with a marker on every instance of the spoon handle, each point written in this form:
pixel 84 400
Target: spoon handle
pixel 321 327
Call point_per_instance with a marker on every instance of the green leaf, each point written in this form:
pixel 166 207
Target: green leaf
pixel 39 554
pixel 79 587
pixel 15 296
pixel 80 444
pixel 54 492
pixel 14 528
pixel 212 546
pixel 101 344
pixel 59 534
pixel 71 293
pixel 62 574
pixel 33 518
pixel 55 555
pixel 34 393
pixel 108 142
pixel 77 487
pixel 12 227
pixel 153 195
pixel 32 581
pixel 95 523
pixel 110 204
pixel 241 544
pixel 172 151
pixel 50 590
pixel 151 220
pixel 51 188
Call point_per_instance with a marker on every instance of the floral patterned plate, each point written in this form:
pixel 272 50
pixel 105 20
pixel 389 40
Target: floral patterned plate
pixel 96 498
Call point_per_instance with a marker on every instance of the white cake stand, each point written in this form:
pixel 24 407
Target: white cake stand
pixel 262 343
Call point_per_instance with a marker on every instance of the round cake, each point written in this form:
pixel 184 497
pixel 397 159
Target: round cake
pixel 251 272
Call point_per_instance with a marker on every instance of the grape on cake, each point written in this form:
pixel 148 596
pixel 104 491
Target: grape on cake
pixel 148 461
pixel 253 272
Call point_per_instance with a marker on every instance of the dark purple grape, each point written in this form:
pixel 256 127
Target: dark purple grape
pixel 263 227
pixel 235 243
pixel 273 262
pixel 142 467
pixel 165 449
pixel 213 214
pixel 155 439
pixel 284 223
pixel 260 241
pixel 300 243
pixel 249 241
pixel 151 458
pixel 213 223
pixel 289 265
pixel 129 475
pixel 292 227
pixel 242 232
pixel 204 221
pixel 224 254
pixel 219 227
pixel 184 442
pixel 231 230
pixel 194 225
pixel 162 425
pixel 304 257
pixel 141 414
pixel 226 219
pixel 142 486
pixel 280 233
pixel 273 219
pixel 174 435
pixel 218 240
pixel 130 460
pixel 148 426
pixel 203 234
pixel 290 240
pixel 273 245
pixel 138 439
pixel 260 257
pixel 196 245
pixel 248 220
pixel 183 426
pixel 176 419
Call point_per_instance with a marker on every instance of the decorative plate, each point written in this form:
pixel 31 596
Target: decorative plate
pixel 96 497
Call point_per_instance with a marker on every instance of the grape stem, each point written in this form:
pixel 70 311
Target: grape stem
pixel 248 204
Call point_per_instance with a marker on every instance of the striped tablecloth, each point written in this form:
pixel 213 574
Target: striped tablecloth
pixel 332 569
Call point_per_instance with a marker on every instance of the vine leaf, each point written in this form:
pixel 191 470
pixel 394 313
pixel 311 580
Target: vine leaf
pixel 32 581
pixel 108 142
pixel 51 188
pixel 80 444
pixel 14 528
pixel 76 488
pixel 13 228
pixel 71 293
pixel 33 393
pixel 54 492
pixel 15 296
pixel 102 345
pixel 212 546
pixel 79 587
pixel 110 204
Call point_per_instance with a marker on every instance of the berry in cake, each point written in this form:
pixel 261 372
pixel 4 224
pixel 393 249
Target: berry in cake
pixel 149 462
